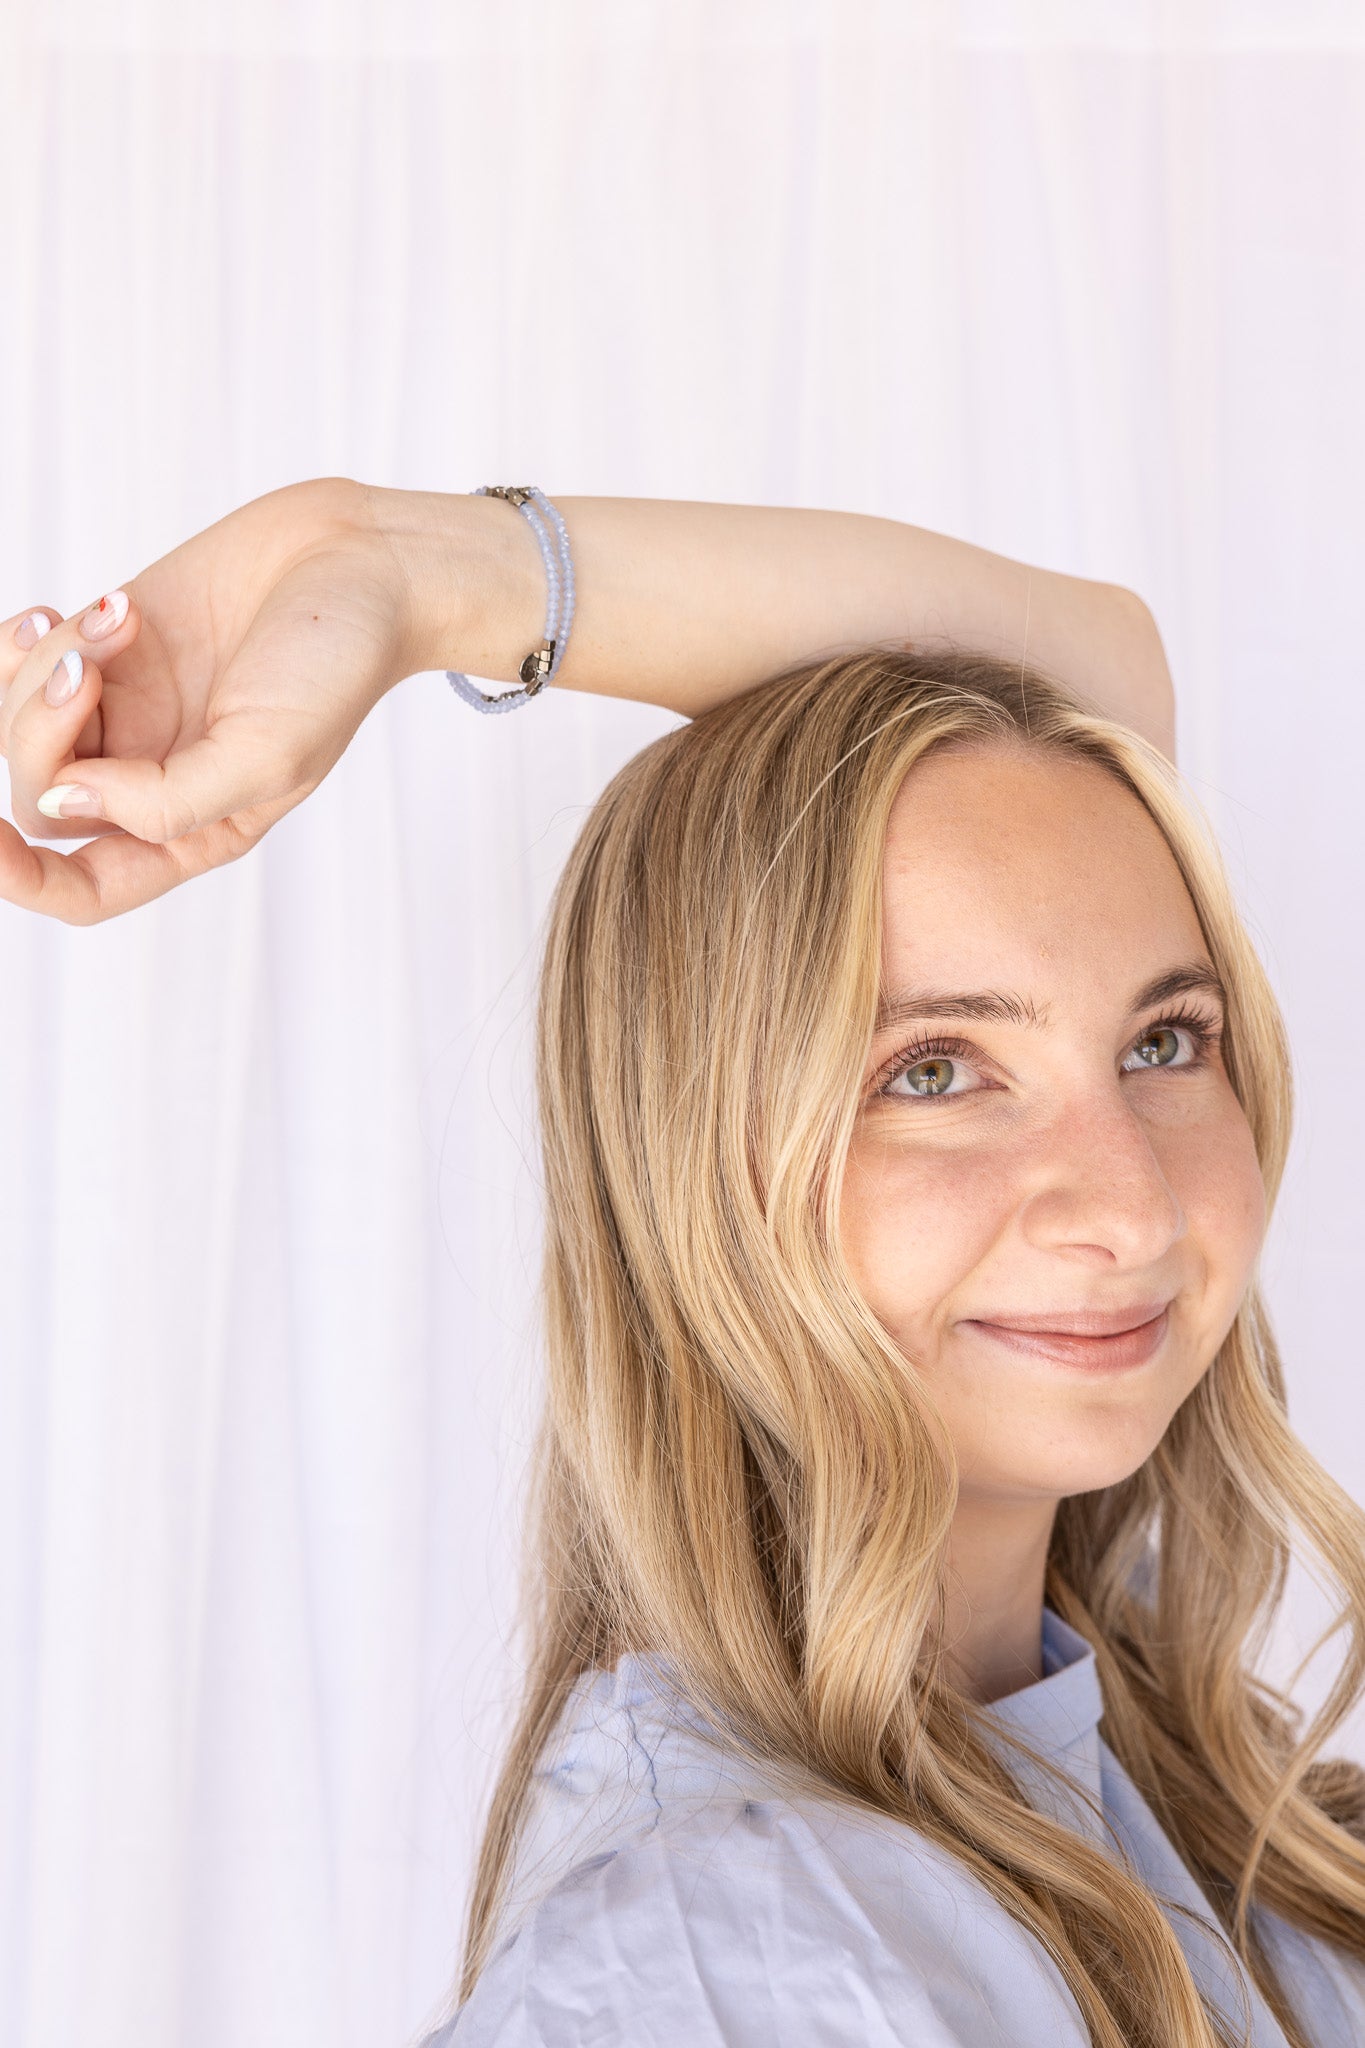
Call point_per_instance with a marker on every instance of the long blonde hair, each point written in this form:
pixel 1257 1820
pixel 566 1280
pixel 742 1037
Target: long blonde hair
pixel 738 1467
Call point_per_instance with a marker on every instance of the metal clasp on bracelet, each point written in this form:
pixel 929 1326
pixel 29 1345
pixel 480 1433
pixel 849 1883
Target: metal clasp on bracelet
pixel 535 670
pixel 537 666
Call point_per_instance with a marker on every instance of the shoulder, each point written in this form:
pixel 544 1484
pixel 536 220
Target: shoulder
pixel 748 1919
pixel 1329 1984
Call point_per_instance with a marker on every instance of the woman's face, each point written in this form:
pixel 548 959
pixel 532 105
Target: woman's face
pixel 1092 1160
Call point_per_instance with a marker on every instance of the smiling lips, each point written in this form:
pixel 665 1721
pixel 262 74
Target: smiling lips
pixel 1090 1338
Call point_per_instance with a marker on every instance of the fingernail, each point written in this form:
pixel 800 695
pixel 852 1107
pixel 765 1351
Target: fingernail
pixel 30 630
pixel 69 800
pixel 65 679
pixel 105 617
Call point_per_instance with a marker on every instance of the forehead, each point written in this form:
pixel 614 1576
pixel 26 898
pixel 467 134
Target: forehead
pixel 1006 861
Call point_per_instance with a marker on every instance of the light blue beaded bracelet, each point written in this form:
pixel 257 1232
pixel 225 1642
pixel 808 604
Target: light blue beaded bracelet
pixel 542 662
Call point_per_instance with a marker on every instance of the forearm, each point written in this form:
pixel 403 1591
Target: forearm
pixel 684 604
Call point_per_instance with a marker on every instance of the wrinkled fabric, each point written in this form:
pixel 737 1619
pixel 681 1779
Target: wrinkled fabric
pixel 668 1893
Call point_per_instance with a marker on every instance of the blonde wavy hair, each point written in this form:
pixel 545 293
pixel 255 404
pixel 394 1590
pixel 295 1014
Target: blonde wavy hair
pixel 738 1467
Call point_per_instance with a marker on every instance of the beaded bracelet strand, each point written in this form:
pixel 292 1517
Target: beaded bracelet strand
pixel 542 662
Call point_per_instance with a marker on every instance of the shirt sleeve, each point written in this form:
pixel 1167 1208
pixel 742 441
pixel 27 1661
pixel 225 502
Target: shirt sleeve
pixel 728 1943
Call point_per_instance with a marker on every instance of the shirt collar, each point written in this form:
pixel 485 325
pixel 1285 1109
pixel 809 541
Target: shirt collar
pixel 1064 1704
pixel 1058 1715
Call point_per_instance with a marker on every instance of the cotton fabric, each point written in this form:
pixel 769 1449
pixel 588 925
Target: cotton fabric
pixel 667 1891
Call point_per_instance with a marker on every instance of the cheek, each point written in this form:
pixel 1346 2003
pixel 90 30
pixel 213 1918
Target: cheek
pixel 1215 1174
pixel 913 1224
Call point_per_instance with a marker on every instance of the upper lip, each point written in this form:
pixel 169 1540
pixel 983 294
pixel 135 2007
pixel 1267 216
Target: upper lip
pixel 1086 1322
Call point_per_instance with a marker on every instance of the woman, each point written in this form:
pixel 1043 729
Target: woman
pixel 915 1480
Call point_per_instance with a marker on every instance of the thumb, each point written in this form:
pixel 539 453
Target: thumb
pixel 240 770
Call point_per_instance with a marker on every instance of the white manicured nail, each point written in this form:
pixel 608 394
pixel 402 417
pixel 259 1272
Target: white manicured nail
pixel 32 628
pixel 65 679
pixel 69 800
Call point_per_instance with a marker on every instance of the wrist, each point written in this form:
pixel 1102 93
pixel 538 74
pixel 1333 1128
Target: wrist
pixel 468 579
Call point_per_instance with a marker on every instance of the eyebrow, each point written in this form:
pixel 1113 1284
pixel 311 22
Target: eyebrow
pixel 1001 1006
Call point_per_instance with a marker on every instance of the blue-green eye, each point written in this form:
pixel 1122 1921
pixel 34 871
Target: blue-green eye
pixel 932 1066
pixel 1164 1036
pixel 930 1076
pixel 930 1069
pixel 937 1077
pixel 1159 1045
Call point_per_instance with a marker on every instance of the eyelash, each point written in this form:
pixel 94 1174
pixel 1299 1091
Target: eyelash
pixel 1203 1029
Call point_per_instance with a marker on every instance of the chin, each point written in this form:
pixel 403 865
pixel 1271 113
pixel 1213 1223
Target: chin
pixel 1061 1469
pixel 1061 1478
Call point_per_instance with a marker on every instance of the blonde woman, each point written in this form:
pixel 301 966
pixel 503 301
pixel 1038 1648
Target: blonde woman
pixel 915 1487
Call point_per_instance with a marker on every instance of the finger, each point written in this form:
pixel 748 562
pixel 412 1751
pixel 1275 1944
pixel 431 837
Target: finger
pixel 42 741
pixel 109 625
pixel 105 628
pixel 118 872
pixel 98 881
pixel 237 775
pixel 19 636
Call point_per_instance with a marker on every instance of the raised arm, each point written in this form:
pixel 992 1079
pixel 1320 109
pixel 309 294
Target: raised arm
pixel 684 604
pixel 172 721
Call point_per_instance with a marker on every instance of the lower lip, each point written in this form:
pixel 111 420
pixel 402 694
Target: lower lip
pixel 1091 1354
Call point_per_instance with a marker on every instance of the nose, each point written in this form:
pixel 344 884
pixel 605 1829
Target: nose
pixel 1098 1188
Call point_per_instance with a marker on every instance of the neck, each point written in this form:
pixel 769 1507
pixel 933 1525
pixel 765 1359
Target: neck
pixel 997 1564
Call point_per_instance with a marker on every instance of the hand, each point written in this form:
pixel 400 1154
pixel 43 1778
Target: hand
pixel 248 658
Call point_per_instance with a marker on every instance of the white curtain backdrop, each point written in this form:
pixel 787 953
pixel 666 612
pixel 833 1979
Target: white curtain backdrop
pixel 1084 283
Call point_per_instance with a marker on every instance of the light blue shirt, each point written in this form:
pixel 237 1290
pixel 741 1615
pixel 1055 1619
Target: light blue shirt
pixel 667 1893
